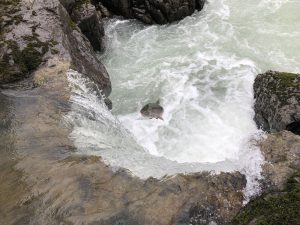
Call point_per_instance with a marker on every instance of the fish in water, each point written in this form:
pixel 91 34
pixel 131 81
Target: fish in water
pixel 153 110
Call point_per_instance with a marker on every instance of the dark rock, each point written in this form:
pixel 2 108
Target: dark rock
pixel 154 11
pixel 68 4
pixel 119 7
pixel 200 4
pixel 104 11
pixel 294 127
pixel 277 100
pixel 108 103
pixel 89 22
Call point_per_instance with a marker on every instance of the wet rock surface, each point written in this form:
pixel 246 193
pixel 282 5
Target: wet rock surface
pixel 277 100
pixel 154 11
pixel 55 186
pixel 34 32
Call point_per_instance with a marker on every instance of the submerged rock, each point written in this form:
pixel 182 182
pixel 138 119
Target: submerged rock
pixel 277 100
pixel 153 110
pixel 154 11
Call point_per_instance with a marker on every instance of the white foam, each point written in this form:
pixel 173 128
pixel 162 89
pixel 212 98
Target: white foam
pixel 202 70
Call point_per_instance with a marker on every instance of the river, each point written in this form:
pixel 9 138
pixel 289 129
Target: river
pixel 202 70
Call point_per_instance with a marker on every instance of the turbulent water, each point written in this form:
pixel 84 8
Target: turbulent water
pixel 202 70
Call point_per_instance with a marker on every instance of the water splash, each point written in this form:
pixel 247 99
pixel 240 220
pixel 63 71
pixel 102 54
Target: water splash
pixel 202 69
pixel 97 132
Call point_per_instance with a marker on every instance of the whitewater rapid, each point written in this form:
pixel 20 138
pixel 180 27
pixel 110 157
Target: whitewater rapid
pixel 202 70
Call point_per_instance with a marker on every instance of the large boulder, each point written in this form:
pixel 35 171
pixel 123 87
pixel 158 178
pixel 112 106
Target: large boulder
pixel 40 33
pixel 277 101
pixel 154 11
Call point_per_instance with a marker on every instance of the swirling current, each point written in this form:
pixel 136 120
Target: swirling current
pixel 202 70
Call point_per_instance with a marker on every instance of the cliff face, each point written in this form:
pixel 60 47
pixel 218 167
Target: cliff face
pixel 154 11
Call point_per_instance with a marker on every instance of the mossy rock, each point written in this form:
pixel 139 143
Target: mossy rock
pixel 79 3
pixel 288 79
pixel 276 208
pixel 10 2
pixel 17 64
pixel 284 84
pixel 9 7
